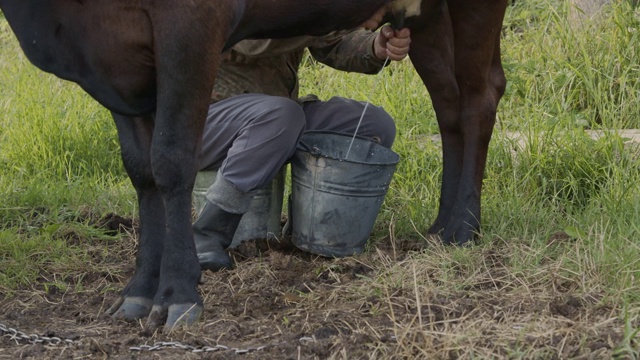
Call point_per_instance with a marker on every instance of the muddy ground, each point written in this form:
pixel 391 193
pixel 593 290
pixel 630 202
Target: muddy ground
pixel 281 303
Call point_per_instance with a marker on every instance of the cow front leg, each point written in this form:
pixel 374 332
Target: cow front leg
pixel 136 299
pixel 174 150
pixel 188 38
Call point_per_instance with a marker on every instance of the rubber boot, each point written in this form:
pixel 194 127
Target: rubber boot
pixel 213 233
pixel 217 223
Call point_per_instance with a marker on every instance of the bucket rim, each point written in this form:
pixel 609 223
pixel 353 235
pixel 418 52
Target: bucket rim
pixel 307 149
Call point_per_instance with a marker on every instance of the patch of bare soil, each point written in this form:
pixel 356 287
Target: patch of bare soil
pixel 281 303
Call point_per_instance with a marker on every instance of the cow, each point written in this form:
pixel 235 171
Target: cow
pixel 153 63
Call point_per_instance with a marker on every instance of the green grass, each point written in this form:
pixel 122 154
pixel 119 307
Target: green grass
pixel 571 76
pixel 564 210
pixel 58 156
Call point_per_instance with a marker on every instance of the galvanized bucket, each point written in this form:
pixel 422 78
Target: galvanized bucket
pixel 263 219
pixel 335 200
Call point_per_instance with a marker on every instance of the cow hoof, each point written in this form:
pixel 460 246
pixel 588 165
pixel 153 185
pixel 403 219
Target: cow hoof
pixel 130 308
pixel 174 317
pixel 464 238
pixel 435 229
pixel 182 315
pixel 157 316
pixel 112 310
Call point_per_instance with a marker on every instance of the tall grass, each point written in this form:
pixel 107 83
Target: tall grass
pixel 571 74
pixel 558 197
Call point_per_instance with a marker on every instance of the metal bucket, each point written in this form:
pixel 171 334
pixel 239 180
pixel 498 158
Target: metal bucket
pixel 335 201
pixel 263 219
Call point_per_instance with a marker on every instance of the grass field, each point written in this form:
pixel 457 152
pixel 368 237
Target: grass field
pixel 554 272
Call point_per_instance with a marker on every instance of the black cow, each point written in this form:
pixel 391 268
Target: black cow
pixel 152 64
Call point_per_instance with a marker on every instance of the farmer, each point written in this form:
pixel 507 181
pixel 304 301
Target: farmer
pixel 256 119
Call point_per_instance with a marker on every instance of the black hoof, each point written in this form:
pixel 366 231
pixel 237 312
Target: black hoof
pixel 131 308
pixel 182 315
pixel 174 317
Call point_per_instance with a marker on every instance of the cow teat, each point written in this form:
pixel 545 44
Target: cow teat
pixel 402 9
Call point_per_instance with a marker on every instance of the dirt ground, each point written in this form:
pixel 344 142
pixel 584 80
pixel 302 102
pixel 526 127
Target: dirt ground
pixel 281 303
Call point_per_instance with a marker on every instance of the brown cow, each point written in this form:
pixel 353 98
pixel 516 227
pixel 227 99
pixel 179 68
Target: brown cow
pixel 152 63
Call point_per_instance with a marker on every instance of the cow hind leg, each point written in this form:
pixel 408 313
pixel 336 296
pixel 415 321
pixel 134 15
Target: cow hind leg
pixel 477 27
pixel 457 56
pixel 432 54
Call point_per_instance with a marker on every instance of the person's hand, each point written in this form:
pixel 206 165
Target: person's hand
pixel 392 43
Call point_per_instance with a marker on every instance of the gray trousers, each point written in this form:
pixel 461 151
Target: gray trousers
pixel 249 137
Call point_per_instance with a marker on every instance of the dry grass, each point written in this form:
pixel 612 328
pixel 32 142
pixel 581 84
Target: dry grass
pixel 390 303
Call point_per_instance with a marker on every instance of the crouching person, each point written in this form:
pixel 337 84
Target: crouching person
pixel 256 120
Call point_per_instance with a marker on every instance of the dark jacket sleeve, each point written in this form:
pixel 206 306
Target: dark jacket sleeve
pixel 348 51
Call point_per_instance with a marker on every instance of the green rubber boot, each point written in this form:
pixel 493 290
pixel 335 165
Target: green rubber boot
pixel 217 223
pixel 213 233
